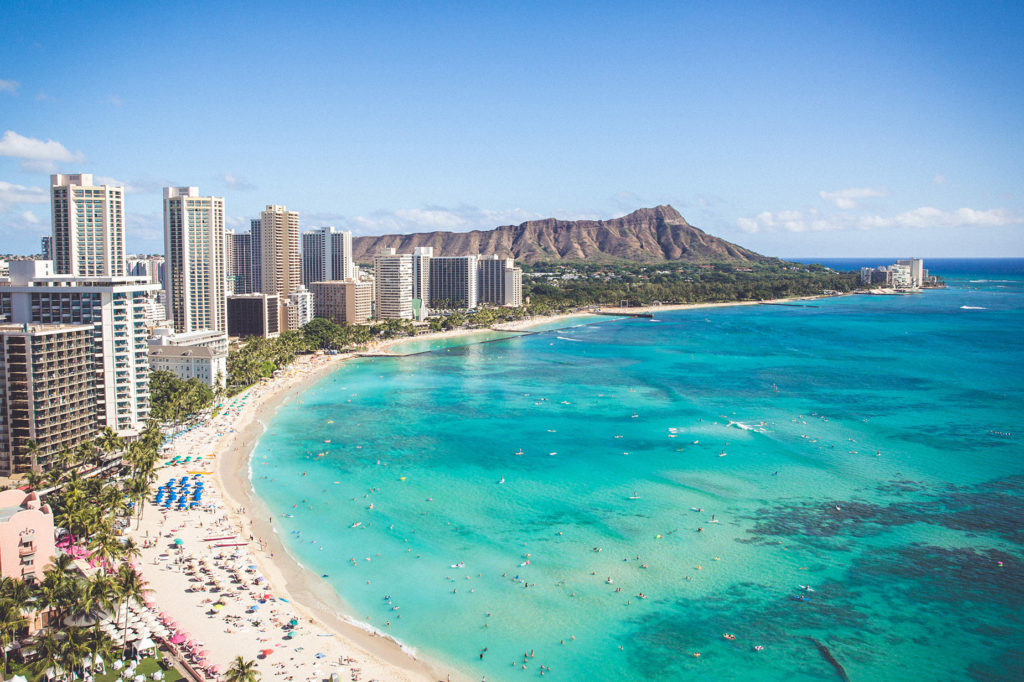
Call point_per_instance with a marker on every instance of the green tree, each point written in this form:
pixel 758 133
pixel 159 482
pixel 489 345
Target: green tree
pixel 242 670
pixel 130 588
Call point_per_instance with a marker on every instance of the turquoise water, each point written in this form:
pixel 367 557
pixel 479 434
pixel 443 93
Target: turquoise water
pixel 865 446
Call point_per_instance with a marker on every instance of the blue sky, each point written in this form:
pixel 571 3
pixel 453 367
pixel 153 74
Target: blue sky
pixel 795 129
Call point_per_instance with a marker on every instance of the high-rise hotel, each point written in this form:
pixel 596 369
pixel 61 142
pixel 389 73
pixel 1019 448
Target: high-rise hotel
pixel 326 255
pixel 196 280
pixel 392 274
pixel 88 227
pixel 453 282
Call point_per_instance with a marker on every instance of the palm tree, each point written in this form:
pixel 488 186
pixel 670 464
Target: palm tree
pixel 11 621
pixel 138 489
pixel 32 450
pixel 105 548
pixel 49 650
pixel 99 597
pixel 130 587
pixel 242 670
pixel 109 442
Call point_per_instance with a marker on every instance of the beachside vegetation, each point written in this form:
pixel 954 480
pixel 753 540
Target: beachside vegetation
pixel 559 286
pixel 176 400
pixel 94 492
pixel 242 670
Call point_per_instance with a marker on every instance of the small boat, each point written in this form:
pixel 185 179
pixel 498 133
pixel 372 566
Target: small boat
pixel 461 564
pixel 356 524
pixel 519 452
pixel 806 588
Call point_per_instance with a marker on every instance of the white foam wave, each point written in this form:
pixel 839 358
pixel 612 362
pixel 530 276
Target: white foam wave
pixel 411 651
pixel 747 427
pixel 972 307
pixel 566 338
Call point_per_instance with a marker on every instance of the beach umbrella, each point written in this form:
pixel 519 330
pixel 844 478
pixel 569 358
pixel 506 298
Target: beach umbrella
pixel 158 675
pixel 179 541
pixel 218 606
pixel 293 622
pixel 215 669
pixel 19 678
pixel 178 638
pixel 267 652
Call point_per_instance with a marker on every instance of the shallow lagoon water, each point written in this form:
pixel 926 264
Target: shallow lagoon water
pixel 865 446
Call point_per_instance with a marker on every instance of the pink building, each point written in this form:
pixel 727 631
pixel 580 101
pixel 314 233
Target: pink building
pixel 26 535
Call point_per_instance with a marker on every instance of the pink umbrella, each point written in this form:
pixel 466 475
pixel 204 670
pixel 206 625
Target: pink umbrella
pixel 215 669
pixel 178 638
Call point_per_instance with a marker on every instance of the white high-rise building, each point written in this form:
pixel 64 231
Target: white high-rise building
pixel 916 266
pixel 392 274
pixel 88 227
pixel 116 309
pixel 499 281
pixel 299 307
pixel 326 255
pixel 421 256
pixel 196 280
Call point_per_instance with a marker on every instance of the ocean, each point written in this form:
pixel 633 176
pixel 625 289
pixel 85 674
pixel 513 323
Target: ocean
pixel 798 492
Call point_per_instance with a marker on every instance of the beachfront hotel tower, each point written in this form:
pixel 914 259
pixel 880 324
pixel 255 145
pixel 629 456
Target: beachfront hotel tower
pixel 239 259
pixel 280 263
pixel 326 255
pixel 115 308
pixel 196 279
pixel 88 227
pixel 47 393
pixel 280 259
pixel 392 273
pixel 343 301
pixel 453 282
pixel 499 281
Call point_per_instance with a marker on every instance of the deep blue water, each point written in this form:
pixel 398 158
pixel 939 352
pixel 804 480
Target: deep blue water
pixel 868 447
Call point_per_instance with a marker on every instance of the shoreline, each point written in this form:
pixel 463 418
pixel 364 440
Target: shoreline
pixel 232 436
pixel 327 629
pixel 307 590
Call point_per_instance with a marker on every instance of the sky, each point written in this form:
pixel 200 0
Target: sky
pixel 797 129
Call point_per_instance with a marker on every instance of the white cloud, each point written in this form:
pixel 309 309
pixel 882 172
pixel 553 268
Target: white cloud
pixel 44 97
pixel 9 86
pixel 848 198
pixel 237 183
pixel 939 179
pixel 36 155
pixel 11 194
pixel 924 217
pixel 927 216
pixel 30 217
pixel 115 100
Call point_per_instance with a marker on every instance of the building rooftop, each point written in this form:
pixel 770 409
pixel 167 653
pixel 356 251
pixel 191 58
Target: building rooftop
pixel 183 352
